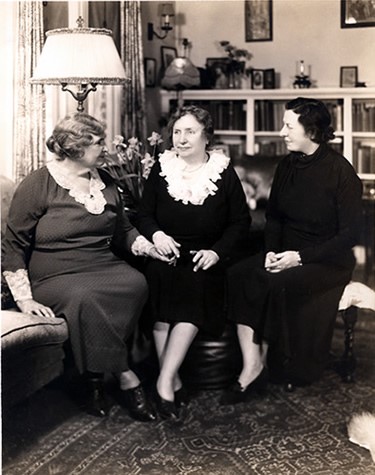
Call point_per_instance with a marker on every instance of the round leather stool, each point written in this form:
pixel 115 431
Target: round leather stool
pixel 212 363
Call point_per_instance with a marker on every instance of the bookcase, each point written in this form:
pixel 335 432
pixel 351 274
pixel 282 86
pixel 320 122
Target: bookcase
pixel 248 121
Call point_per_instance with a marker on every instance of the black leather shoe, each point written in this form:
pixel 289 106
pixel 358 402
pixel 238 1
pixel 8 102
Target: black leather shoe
pixel 236 393
pixel 97 403
pixel 166 409
pixel 137 404
pixel 181 397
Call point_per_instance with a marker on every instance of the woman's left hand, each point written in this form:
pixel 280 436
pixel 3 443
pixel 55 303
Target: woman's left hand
pixel 284 260
pixel 204 259
pixel 156 255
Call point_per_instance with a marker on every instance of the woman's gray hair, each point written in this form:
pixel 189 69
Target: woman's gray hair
pixel 73 134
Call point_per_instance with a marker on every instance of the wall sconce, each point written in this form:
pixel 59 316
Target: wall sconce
pixel 167 13
pixel 80 56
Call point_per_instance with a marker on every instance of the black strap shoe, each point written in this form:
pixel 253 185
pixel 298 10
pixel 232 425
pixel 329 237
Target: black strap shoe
pixel 97 403
pixel 166 409
pixel 236 393
pixel 136 403
pixel 181 397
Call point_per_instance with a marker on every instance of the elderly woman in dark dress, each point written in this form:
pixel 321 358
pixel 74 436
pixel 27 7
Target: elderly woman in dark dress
pixel 66 224
pixel 288 298
pixel 194 210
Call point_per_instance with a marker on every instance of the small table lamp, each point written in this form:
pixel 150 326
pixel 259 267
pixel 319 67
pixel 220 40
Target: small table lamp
pixel 81 56
pixel 181 74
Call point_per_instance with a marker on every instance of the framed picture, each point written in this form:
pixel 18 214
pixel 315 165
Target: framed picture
pixel 348 76
pixel 357 13
pixel 168 54
pixel 269 79
pixel 258 20
pixel 257 79
pixel 217 69
pixel 150 72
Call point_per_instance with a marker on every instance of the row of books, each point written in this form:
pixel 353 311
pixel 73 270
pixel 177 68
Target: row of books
pixel 269 114
pixel 276 147
pixel 364 115
pixel 270 148
pixel 227 115
pixel 364 153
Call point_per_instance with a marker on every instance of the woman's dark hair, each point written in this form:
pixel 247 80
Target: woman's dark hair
pixel 202 116
pixel 315 118
pixel 73 134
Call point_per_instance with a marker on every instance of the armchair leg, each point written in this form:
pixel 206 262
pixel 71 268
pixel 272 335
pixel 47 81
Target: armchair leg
pixel 347 364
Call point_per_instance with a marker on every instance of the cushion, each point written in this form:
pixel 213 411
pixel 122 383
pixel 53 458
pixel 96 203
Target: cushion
pixel 20 331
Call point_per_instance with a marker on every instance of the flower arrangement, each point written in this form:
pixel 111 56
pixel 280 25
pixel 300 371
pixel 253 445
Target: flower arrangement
pixel 131 165
pixel 237 55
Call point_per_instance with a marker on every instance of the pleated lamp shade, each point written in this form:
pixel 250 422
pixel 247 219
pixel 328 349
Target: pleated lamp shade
pixel 180 74
pixel 79 56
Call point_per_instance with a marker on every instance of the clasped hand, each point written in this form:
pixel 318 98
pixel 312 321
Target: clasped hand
pixel 281 261
pixel 168 247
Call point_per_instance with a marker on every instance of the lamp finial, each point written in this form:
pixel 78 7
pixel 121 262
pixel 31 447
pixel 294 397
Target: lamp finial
pixel 80 21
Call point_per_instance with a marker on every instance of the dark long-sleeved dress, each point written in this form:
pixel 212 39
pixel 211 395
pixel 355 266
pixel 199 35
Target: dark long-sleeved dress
pixel 314 208
pixel 212 214
pixel 68 253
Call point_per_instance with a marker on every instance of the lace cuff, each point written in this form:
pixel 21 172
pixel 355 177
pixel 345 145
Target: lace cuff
pixel 19 284
pixel 141 246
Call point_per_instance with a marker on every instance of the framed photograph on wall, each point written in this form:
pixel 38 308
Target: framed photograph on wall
pixel 258 20
pixel 269 79
pixel 150 72
pixel 357 13
pixel 257 79
pixel 168 54
pixel 348 76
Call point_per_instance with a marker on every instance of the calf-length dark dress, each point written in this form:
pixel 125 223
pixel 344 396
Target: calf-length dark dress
pixel 314 208
pixel 220 223
pixel 68 253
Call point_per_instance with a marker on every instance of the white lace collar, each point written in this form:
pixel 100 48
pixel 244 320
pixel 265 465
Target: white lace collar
pixel 199 186
pixel 93 201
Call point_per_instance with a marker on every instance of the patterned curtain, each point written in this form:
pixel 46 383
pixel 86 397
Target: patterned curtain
pixel 29 108
pixel 134 101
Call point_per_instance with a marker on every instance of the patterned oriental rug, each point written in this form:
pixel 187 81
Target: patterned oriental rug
pixel 282 433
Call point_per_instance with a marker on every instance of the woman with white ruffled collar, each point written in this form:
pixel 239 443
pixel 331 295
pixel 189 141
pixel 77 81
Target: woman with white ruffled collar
pixel 194 210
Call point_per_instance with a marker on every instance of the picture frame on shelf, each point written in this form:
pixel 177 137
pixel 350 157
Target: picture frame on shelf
pixel 269 78
pixel 217 69
pixel 150 72
pixel 168 54
pixel 258 20
pixel 357 13
pixel 257 79
pixel 348 76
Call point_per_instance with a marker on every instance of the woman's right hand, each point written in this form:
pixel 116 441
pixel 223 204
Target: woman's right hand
pixel 270 259
pixel 166 245
pixel 34 308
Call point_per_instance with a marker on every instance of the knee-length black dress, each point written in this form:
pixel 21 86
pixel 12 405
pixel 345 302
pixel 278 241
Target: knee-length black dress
pixel 314 208
pixel 208 213
pixel 68 252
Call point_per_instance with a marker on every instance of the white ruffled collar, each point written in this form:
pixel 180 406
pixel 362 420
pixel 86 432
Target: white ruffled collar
pixel 94 201
pixel 198 186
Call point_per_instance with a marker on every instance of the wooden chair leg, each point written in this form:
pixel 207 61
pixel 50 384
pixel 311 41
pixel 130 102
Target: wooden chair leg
pixel 347 365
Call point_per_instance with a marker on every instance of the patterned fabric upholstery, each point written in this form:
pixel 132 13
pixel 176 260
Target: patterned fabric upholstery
pixel 31 347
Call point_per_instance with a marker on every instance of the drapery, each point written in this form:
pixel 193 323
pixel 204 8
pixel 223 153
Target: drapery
pixel 29 102
pixel 133 112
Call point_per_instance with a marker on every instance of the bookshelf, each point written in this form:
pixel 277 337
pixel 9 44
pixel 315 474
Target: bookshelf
pixel 248 121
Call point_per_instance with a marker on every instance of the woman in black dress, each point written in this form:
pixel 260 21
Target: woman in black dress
pixel 288 298
pixel 194 210
pixel 66 224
